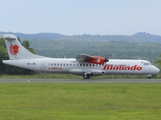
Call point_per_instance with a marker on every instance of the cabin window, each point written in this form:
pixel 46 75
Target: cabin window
pixel 80 64
pixel 57 64
pixel 86 64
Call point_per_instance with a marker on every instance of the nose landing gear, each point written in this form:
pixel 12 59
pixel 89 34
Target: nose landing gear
pixel 149 76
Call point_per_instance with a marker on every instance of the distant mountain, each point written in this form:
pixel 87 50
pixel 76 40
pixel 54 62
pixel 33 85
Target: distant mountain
pixel 140 45
pixel 42 36
pixel 146 37
pixel 138 37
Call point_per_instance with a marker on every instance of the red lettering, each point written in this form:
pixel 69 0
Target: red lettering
pixel 121 67
pixel 108 67
pixel 133 67
pixel 115 68
pixel 54 68
pixel 139 68
pixel 127 68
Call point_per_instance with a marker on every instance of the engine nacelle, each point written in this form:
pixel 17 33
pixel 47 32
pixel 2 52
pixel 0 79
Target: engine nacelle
pixel 97 60
pixel 93 72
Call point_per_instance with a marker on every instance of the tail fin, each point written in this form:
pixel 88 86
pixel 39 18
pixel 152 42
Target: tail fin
pixel 16 50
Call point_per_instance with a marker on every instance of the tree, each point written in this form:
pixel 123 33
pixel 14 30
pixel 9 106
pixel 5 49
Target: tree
pixel 3 55
pixel 27 45
pixel 6 69
pixel 158 62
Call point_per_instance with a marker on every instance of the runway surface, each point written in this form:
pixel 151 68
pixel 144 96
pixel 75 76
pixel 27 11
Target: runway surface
pixel 84 80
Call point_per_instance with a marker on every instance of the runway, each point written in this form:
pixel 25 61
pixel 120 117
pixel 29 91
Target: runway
pixel 84 80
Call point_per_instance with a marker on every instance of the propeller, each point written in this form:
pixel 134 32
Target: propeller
pixel 106 59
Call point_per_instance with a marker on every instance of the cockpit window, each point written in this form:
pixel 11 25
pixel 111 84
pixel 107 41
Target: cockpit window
pixel 147 63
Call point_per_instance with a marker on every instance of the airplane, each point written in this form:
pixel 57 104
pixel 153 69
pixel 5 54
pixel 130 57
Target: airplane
pixel 84 65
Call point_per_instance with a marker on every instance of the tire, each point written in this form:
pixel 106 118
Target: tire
pixel 86 76
pixel 149 76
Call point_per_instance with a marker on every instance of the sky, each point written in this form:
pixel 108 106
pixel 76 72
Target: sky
pixel 77 17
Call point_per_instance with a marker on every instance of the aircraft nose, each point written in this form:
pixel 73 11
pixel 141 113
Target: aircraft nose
pixel 157 69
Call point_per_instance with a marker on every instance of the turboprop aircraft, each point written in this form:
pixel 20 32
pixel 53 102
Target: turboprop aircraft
pixel 83 64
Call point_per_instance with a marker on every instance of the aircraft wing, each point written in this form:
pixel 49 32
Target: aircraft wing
pixel 91 59
pixel 83 58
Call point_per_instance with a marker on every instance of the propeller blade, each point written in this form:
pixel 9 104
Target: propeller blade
pixel 106 59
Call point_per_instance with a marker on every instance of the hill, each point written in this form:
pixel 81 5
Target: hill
pixel 139 45
pixel 38 36
pixel 138 37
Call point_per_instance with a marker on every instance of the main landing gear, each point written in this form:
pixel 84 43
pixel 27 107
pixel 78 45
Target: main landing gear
pixel 86 76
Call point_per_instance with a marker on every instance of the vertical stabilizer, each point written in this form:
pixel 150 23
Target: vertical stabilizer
pixel 16 50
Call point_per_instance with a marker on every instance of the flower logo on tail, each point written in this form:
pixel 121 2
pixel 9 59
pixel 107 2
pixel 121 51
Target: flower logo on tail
pixel 14 49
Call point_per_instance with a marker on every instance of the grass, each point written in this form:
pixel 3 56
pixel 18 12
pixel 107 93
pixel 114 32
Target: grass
pixel 81 101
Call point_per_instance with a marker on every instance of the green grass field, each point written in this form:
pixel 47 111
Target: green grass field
pixel 80 101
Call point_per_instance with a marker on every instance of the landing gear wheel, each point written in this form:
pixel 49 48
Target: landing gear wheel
pixel 86 76
pixel 149 76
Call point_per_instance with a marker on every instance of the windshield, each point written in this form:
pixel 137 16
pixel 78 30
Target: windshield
pixel 147 63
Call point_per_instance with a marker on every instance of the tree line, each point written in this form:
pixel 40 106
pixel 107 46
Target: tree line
pixel 120 50
pixel 7 69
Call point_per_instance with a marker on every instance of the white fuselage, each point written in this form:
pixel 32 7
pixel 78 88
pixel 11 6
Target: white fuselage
pixel 72 66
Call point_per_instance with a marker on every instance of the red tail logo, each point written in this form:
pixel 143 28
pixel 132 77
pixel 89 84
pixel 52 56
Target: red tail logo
pixel 14 49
